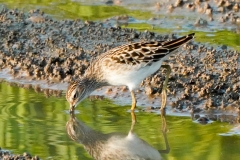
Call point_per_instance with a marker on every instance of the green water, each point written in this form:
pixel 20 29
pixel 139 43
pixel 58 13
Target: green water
pixel 36 124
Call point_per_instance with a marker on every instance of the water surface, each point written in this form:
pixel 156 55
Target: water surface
pixel 34 123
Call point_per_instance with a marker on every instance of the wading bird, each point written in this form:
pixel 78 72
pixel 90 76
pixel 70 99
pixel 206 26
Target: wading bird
pixel 127 65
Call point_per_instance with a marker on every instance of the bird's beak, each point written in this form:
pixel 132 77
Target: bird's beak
pixel 72 106
pixel 71 109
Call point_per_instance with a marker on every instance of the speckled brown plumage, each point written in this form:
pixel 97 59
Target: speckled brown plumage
pixel 124 65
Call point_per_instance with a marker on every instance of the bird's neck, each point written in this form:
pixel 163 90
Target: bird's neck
pixel 94 80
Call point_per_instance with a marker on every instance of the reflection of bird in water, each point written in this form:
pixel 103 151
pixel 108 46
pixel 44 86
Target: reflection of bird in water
pixel 113 146
pixel 126 65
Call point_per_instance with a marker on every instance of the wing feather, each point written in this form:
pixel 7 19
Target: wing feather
pixel 146 52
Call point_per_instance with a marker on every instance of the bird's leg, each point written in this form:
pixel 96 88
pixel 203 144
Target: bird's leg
pixel 134 120
pixel 164 89
pixel 164 132
pixel 134 101
pixel 133 116
pixel 163 106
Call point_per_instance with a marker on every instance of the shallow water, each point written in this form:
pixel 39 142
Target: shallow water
pixel 34 123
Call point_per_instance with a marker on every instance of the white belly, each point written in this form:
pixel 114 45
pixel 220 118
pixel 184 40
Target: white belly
pixel 131 76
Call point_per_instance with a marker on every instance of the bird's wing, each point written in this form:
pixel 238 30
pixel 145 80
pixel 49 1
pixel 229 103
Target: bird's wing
pixel 146 52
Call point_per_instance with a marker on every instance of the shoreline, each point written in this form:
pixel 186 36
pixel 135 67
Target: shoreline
pixel 7 155
pixel 47 53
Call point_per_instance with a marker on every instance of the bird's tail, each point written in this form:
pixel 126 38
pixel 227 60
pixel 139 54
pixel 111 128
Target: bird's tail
pixel 152 51
pixel 174 44
pixel 160 49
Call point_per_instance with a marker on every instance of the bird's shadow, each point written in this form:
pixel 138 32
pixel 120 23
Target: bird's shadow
pixel 114 145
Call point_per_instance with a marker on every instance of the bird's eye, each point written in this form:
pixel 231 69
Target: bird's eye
pixel 75 96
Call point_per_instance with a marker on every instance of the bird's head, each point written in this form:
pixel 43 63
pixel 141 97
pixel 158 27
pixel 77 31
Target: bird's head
pixel 76 92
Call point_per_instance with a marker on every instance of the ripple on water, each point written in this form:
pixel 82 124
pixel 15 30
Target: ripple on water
pixel 18 110
pixel 232 132
pixel 75 111
pixel 8 110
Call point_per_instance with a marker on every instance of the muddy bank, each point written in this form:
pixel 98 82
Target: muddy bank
pixel 40 52
pixel 7 155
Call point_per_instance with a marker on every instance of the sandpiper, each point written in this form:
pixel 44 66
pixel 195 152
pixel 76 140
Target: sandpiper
pixel 127 65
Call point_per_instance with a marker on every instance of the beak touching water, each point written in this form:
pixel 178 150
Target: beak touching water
pixel 71 109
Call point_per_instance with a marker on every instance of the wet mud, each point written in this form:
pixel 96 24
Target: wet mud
pixel 7 155
pixel 40 52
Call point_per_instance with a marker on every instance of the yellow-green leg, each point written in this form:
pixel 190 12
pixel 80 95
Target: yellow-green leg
pixel 134 120
pixel 164 89
pixel 163 106
pixel 134 101
pixel 164 132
